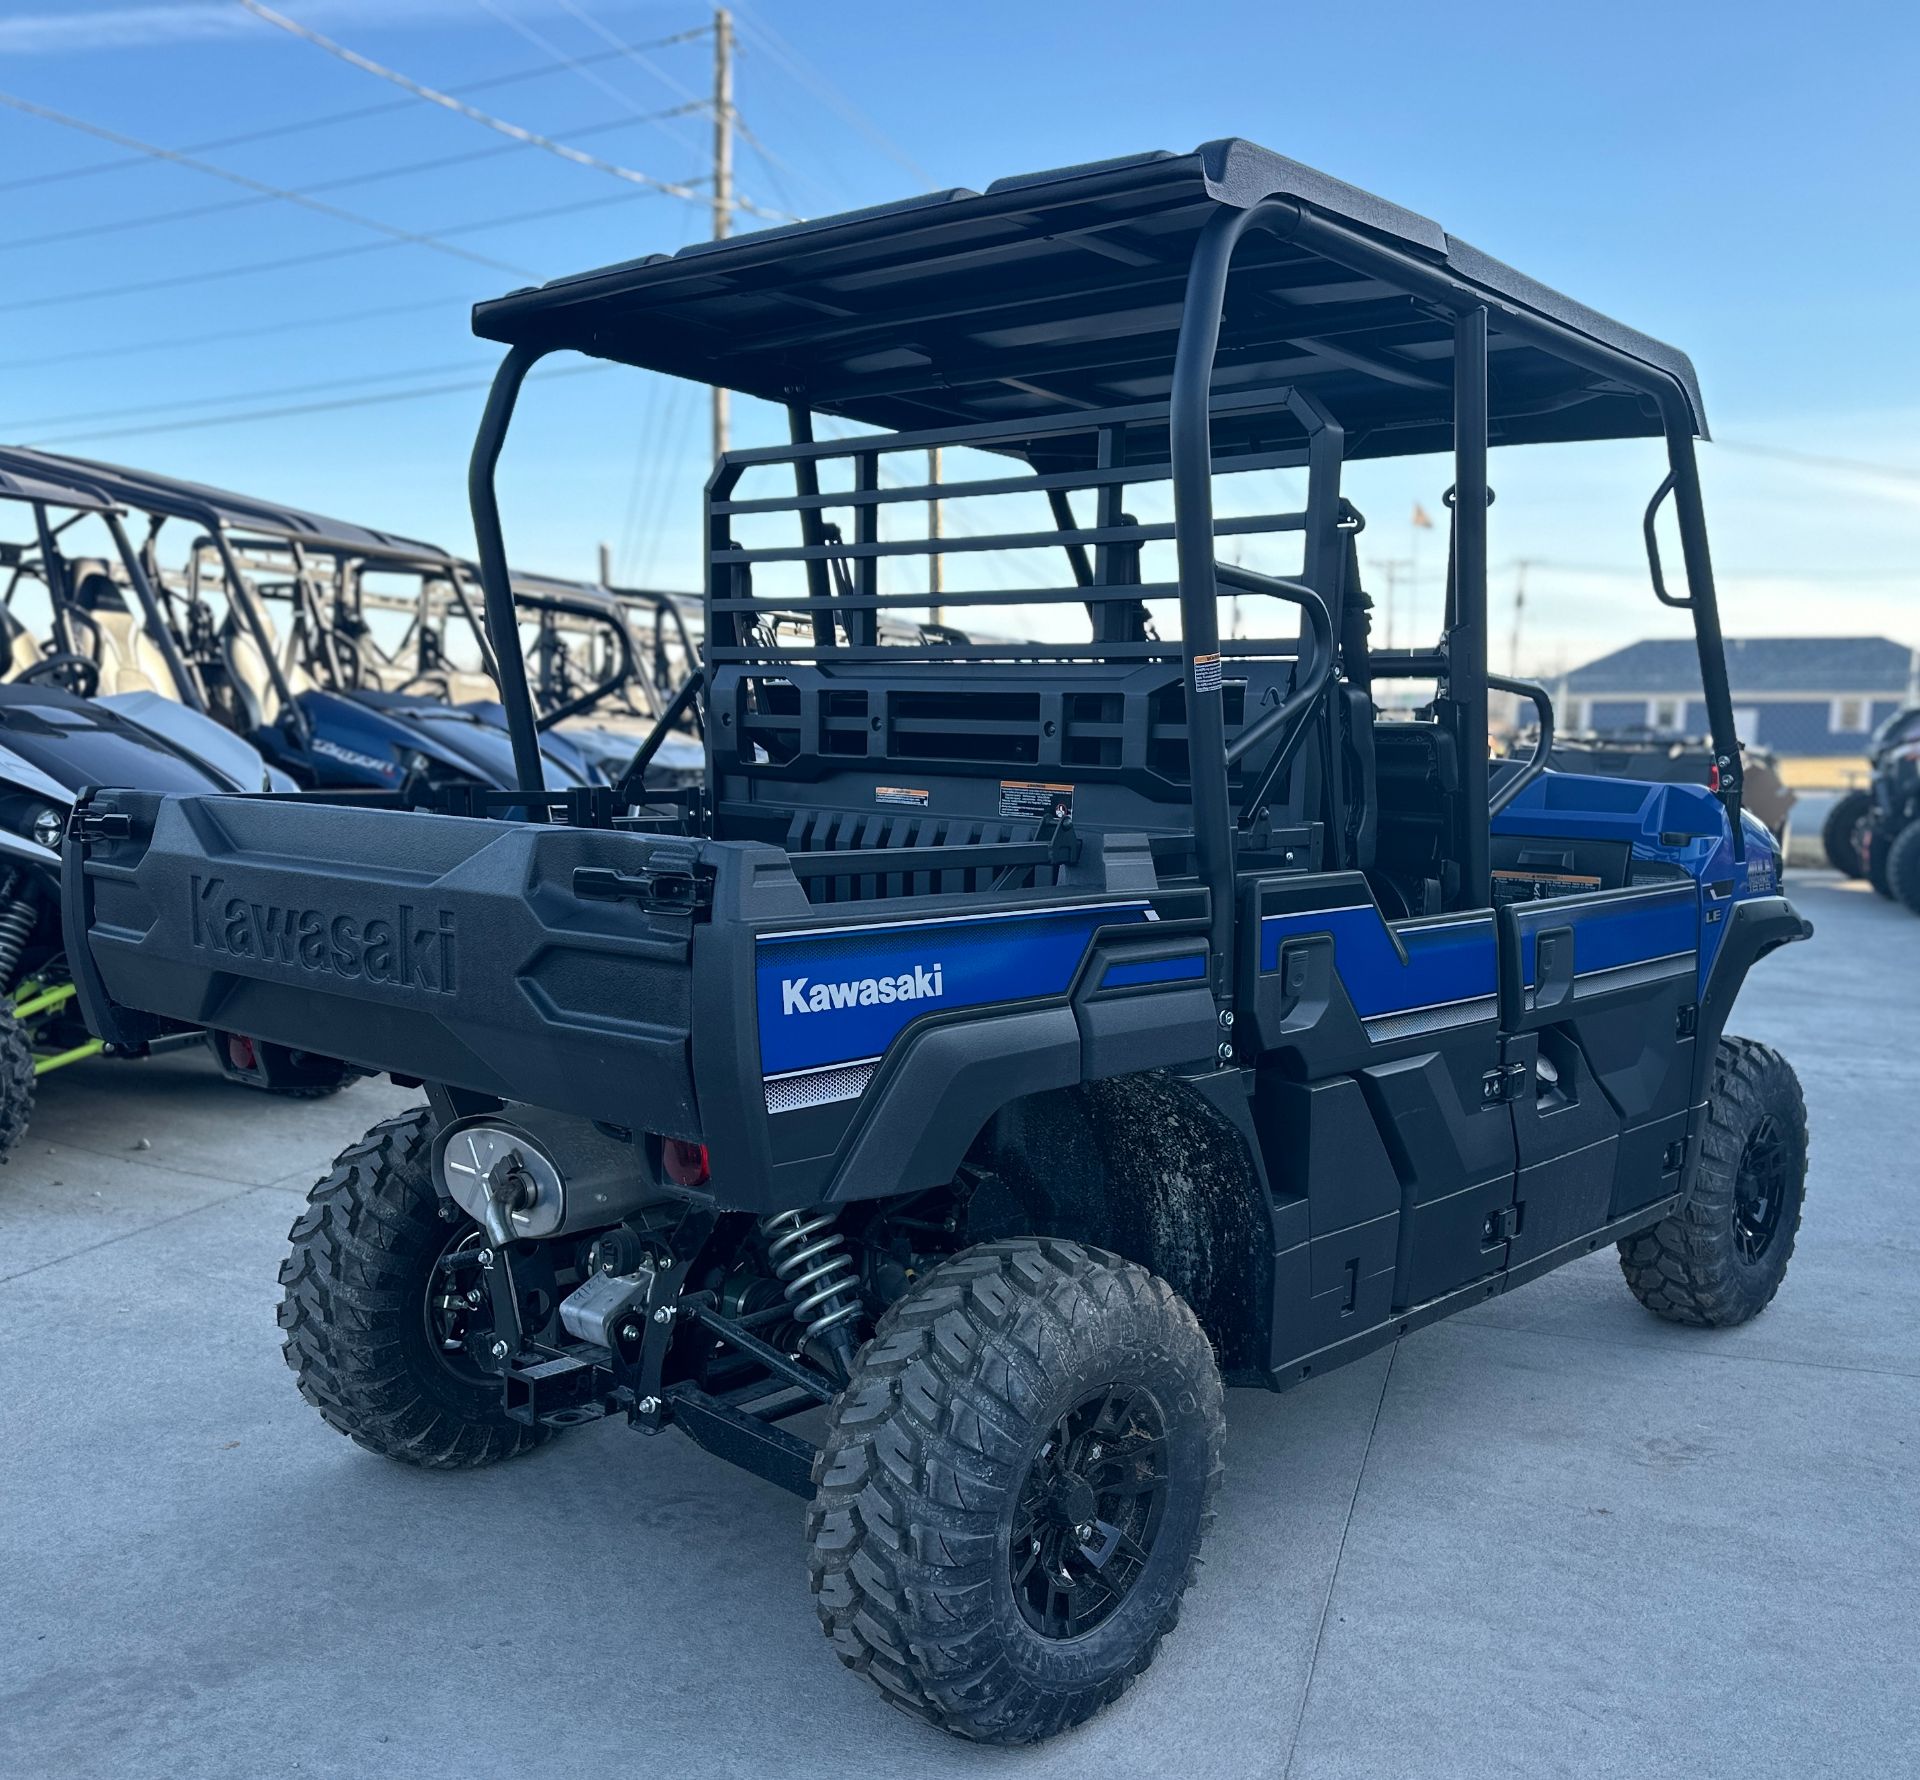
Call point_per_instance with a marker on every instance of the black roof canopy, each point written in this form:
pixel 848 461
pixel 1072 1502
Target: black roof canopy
pixel 246 515
pixel 1062 291
pixel 42 481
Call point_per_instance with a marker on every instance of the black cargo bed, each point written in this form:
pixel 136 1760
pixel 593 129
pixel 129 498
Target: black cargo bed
pixel 460 951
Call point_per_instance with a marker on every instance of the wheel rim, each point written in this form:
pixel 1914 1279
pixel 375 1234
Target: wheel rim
pixel 1089 1511
pixel 1760 1190
pixel 457 1305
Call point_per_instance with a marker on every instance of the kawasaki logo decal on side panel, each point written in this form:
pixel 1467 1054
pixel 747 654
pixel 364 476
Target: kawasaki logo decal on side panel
pixel 798 996
pixel 828 997
pixel 407 948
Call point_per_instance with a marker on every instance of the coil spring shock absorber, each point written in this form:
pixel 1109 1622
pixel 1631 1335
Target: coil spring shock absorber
pixel 16 928
pixel 810 1258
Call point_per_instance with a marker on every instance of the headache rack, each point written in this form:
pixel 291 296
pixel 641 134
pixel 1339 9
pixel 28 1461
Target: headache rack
pixel 852 713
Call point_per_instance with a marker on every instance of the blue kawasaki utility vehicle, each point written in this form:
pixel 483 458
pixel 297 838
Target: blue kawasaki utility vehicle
pixel 1011 1042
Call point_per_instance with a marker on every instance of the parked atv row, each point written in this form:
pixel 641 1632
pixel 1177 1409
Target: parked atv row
pixel 1875 833
pixel 239 647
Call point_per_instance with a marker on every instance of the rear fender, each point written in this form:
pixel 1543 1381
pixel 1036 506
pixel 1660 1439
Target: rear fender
pixel 1154 1168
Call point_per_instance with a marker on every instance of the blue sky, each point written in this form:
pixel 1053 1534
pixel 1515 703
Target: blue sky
pixel 1739 179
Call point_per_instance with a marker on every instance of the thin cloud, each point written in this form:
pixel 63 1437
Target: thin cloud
pixel 74 32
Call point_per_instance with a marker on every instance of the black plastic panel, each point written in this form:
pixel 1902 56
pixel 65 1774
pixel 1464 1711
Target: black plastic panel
pixel 430 946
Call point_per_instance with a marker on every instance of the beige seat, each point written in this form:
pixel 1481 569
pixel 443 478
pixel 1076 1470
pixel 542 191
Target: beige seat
pixel 128 658
pixel 19 649
pixel 247 670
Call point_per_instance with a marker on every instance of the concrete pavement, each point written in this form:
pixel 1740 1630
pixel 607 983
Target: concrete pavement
pixel 1553 1536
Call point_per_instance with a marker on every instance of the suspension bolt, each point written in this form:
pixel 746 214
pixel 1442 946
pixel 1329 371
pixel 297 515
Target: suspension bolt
pixel 448 1211
pixel 648 1406
pixel 501 1350
pixel 473 1297
pixel 663 1315
pixel 1095 1450
pixel 1226 1018
pixel 1226 1053
pixel 485 1257
pixel 1084 1531
pixel 629 1331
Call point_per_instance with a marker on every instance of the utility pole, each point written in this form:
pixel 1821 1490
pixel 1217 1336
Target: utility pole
pixel 1390 566
pixel 1520 567
pixel 936 567
pixel 606 565
pixel 722 173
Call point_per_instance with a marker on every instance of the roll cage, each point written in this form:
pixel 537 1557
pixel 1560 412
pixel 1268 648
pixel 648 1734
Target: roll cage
pixel 320 565
pixel 1163 317
pixel 48 492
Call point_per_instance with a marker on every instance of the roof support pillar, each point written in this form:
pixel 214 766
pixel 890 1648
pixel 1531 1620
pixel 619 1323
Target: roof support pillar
pixel 1691 513
pixel 1467 616
pixel 495 579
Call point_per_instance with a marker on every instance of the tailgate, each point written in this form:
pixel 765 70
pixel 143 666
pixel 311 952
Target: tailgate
pixel 455 950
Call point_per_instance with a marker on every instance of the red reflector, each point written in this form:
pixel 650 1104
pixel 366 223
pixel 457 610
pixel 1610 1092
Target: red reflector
pixel 685 1164
pixel 1713 777
pixel 240 1051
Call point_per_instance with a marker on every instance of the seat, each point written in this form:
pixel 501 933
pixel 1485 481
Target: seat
pixel 252 683
pixel 1417 791
pixel 127 656
pixel 19 649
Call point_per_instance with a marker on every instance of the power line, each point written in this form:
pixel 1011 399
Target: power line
pixel 803 71
pixel 220 336
pixel 249 395
pixel 366 401
pixel 1906 472
pixel 352 114
pixel 281 193
pixel 434 96
pixel 159 218
pixel 592 79
pixel 325 255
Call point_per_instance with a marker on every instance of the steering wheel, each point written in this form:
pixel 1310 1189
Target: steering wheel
pixel 76 673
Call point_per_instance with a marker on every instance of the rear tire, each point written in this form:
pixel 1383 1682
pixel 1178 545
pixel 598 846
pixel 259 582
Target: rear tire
pixel 1839 834
pixel 1014 1487
pixel 1876 851
pixel 1903 867
pixel 359 1326
pixel 1720 1258
pixel 17 1081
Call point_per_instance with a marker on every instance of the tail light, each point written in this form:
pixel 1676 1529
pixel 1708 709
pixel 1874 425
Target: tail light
pixel 685 1164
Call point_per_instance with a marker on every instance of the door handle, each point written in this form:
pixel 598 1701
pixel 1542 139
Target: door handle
pixel 1552 967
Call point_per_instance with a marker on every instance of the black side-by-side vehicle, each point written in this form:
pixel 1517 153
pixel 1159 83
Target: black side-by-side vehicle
pixel 1012 1042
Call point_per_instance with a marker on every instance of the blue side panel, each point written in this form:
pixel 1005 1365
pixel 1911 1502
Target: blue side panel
pixel 1605 938
pixel 1679 825
pixel 1448 960
pixel 351 745
pixel 830 996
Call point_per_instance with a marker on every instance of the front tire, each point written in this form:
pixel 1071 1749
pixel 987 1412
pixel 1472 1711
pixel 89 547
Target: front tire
pixel 1720 1258
pixel 1840 833
pixel 1903 866
pixel 17 1081
pixel 373 1354
pixel 1014 1487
